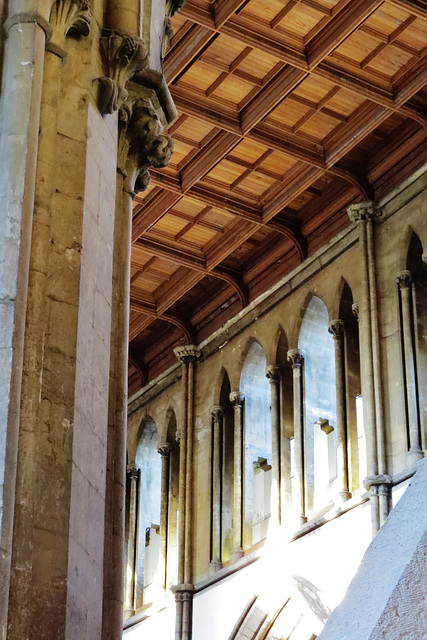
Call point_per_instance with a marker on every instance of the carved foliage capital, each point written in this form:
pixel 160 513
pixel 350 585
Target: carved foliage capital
pixel 364 211
pixel 164 448
pixel 404 279
pixel 132 470
pixel 273 373
pixel 123 55
pixel 217 413
pixel 295 357
pixel 336 328
pixel 355 310
pixel 69 18
pixel 188 353
pixel 237 398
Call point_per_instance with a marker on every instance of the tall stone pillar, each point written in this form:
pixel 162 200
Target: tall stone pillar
pixel 187 355
pixel 405 284
pixel 216 519
pixel 164 449
pixel 336 328
pixel 364 215
pixel 237 400
pixel 273 374
pixel 26 37
pixel 295 357
pixel 134 475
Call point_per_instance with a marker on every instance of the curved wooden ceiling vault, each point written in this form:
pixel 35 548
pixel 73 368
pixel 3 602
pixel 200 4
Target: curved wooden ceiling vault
pixel 289 110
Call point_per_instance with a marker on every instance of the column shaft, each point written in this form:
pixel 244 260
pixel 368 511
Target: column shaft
pixel 164 450
pixel 217 425
pixel 336 327
pixel 134 478
pixel 404 280
pixel 237 400
pixel 295 356
pixel 273 374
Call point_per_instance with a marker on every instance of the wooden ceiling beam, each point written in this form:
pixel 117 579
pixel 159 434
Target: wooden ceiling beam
pixel 145 216
pixel 417 7
pixel 180 56
pixel 207 158
pixel 339 28
pixel 224 9
pixel 274 92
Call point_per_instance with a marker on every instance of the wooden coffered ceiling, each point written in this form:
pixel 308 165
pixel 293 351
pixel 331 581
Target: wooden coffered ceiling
pixel 289 110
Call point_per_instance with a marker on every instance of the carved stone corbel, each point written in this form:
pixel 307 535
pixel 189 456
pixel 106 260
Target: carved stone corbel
pixel 142 143
pixel 123 55
pixel 68 18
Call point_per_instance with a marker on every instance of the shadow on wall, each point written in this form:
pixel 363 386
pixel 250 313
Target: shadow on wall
pixel 300 613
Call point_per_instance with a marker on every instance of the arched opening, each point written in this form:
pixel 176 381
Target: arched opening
pixel 148 529
pixel 257 445
pixel 317 347
pixel 227 469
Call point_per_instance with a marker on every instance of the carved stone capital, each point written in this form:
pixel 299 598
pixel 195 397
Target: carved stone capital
pixel 336 328
pixel 123 55
pixel 273 373
pixel 295 357
pixel 142 143
pixel 164 448
pixel 188 353
pixel 217 413
pixel 132 470
pixel 424 257
pixel 364 211
pixel 355 310
pixel 404 279
pixel 377 481
pixel 237 398
pixel 69 18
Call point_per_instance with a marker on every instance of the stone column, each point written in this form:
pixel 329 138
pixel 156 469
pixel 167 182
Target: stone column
pixel 187 355
pixel 134 475
pixel 296 358
pixel 405 283
pixel 273 374
pixel 336 328
pixel 216 522
pixel 237 400
pixel 164 449
pixel 364 215
pixel 21 90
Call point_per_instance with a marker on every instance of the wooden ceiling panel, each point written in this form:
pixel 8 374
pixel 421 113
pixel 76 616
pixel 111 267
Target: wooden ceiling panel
pixel 255 184
pixel 301 19
pixel 289 110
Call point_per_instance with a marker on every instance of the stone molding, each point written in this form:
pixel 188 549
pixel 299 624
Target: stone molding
pixel 336 328
pixel 141 143
pixel 404 279
pixel 237 398
pixel 69 18
pixel 164 448
pixel 26 18
pixel 123 55
pixel 377 481
pixel 187 353
pixel 295 357
pixel 365 211
pixel 273 373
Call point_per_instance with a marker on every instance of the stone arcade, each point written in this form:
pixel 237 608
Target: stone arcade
pixel 261 292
